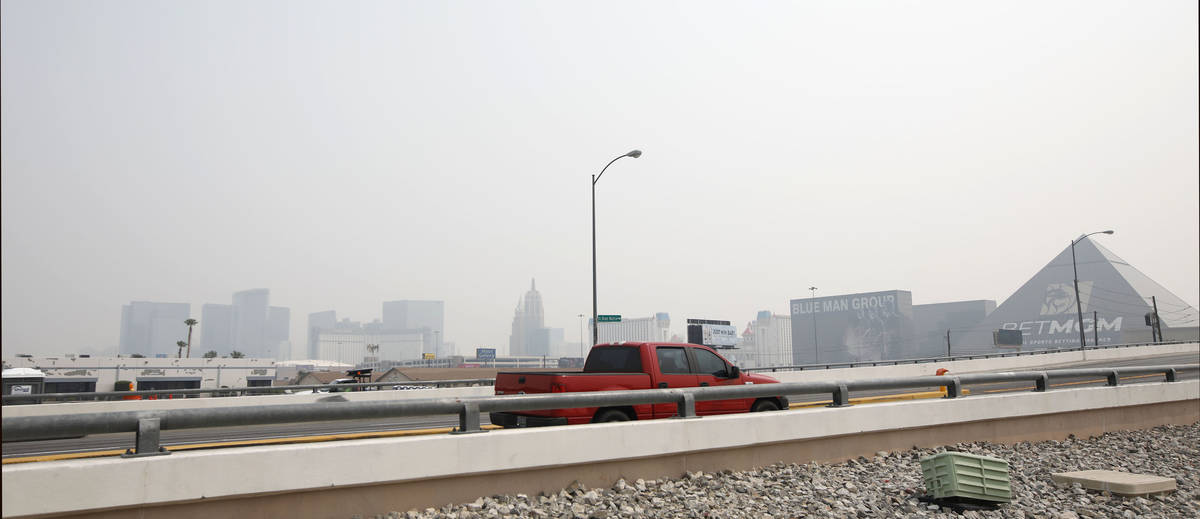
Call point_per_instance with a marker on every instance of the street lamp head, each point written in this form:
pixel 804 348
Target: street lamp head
pixel 635 154
pixel 1107 232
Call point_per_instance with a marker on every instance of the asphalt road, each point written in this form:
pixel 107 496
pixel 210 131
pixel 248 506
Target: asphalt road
pixel 107 442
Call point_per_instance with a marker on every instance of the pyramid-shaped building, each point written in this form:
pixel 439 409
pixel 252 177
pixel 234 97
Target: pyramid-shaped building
pixel 1120 296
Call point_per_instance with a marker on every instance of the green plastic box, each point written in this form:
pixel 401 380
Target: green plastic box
pixel 958 474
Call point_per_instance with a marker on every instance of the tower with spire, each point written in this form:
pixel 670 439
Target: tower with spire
pixel 528 324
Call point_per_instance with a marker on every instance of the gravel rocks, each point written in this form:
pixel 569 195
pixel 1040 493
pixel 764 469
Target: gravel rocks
pixel 886 485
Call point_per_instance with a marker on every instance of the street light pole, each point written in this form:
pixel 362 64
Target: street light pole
pixel 596 178
pixel 813 311
pixel 1078 304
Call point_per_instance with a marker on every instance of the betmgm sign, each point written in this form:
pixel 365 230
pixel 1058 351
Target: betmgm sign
pixel 1056 323
pixel 852 328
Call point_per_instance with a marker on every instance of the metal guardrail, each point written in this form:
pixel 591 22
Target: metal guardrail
pixel 148 424
pixel 269 390
pixel 236 391
pixel 926 360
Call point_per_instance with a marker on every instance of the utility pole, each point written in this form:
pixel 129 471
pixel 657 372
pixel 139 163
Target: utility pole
pixel 596 178
pixel 813 311
pixel 1157 324
pixel 1095 328
pixel 947 343
pixel 1078 304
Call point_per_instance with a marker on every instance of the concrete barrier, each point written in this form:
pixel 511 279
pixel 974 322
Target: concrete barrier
pixel 366 477
pixel 959 367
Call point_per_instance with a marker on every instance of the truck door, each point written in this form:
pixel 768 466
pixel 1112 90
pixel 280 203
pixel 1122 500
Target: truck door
pixel 674 371
pixel 712 371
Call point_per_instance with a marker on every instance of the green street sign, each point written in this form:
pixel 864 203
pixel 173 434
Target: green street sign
pixel 608 318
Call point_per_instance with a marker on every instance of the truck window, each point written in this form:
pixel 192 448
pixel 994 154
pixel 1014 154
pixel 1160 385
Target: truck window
pixel 614 359
pixel 672 360
pixel 707 362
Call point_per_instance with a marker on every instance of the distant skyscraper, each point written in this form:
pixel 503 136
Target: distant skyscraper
pixel 768 343
pixel 250 321
pixel 650 329
pixel 250 325
pixel 528 321
pixel 216 328
pixel 546 341
pixel 316 323
pixel 347 341
pixel 153 328
pixel 277 343
pixel 409 316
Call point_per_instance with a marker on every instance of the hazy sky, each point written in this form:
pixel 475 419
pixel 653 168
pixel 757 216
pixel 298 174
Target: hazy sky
pixel 346 153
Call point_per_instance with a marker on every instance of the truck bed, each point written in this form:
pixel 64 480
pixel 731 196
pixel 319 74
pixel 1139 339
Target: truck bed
pixel 516 382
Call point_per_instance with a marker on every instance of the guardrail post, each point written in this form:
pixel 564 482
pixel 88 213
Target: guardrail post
pixel 841 396
pixel 1113 379
pixel 1172 375
pixel 686 408
pixel 468 419
pixel 146 441
pixel 953 388
pixel 1042 383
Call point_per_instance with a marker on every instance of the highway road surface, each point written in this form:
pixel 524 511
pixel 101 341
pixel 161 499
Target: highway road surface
pixel 325 431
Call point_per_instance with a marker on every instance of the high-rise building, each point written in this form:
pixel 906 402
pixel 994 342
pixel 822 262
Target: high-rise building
pixel 411 316
pixel 317 322
pixel 250 321
pixel 278 320
pixel 360 347
pixel 362 344
pixel 546 341
pixel 642 329
pixel 528 321
pixel 766 342
pixel 151 329
pixel 216 328
pixel 250 325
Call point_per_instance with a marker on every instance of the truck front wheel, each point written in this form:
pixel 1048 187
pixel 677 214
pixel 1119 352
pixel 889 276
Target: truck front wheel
pixel 610 415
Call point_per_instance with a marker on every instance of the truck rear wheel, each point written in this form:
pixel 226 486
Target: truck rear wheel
pixel 764 405
pixel 610 415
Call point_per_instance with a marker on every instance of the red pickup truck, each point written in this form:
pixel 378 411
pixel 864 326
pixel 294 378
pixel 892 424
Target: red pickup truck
pixel 629 365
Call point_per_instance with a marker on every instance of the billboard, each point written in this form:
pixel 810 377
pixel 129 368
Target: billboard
pixel 719 335
pixel 853 327
pixel 716 334
pixel 485 353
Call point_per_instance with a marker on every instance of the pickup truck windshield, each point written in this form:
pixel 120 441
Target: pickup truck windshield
pixel 614 359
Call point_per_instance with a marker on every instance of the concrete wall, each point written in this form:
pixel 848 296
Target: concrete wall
pixel 959 367
pixel 340 479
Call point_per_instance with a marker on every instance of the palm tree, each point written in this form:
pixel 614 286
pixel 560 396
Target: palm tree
pixel 236 354
pixel 210 354
pixel 190 323
pixel 181 344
